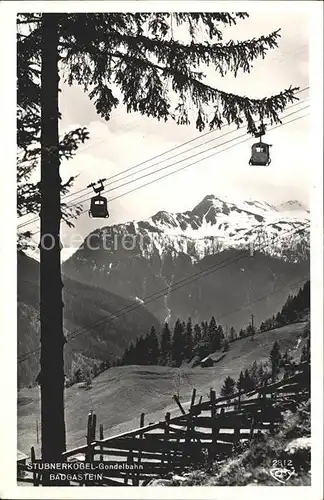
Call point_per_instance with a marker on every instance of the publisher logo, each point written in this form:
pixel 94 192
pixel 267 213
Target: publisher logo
pixel 282 474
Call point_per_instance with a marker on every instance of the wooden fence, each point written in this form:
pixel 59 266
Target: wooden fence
pixel 207 431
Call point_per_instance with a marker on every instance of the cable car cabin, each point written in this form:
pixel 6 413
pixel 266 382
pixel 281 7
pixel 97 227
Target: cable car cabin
pixel 260 154
pixel 98 207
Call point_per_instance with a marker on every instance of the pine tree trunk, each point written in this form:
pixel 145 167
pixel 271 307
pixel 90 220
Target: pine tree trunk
pixel 51 306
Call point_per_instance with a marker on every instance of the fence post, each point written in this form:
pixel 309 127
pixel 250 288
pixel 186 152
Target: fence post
pixel 271 425
pixel 130 461
pixel 101 436
pixel 189 430
pixel 166 435
pixel 193 397
pixel 91 436
pixel 88 436
pixel 139 456
pixel 190 419
pixel 252 427
pixel 175 397
pixel 91 433
pixel 33 459
pixel 237 429
pixel 215 430
pixel 94 425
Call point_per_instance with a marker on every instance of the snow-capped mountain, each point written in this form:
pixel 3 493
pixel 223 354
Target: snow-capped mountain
pixel 140 258
pixel 292 205
pixel 294 208
pixel 215 225
pixel 212 226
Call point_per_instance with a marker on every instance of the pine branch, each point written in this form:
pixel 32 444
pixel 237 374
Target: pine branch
pixel 158 24
pixel 231 56
pixel 138 54
pixel 28 194
pixel 138 79
pixel 142 67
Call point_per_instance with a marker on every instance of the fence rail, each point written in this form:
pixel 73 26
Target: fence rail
pixel 208 429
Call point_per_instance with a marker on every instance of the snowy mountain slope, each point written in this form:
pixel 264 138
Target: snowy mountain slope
pixel 141 258
pixel 212 226
pixel 293 206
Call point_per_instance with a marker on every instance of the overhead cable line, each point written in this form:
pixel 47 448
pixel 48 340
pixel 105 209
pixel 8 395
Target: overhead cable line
pixel 186 166
pixel 181 160
pixel 114 176
pixel 182 168
pixel 194 163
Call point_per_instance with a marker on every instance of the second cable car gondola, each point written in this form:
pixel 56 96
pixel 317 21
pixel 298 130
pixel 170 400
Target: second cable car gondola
pixel 98 204
pixel 260 151
pixel 260 154
pixel 98 207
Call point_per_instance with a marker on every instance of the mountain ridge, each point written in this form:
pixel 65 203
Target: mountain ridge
pixel 139 258
pixel 211 226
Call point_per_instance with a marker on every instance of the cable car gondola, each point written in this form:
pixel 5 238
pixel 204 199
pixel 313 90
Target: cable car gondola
pixel 98 204
pixel 260 151
pixel 98 207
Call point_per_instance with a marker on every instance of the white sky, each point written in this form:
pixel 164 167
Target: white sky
pixel 128 139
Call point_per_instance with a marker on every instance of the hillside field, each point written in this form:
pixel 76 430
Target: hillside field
pixel 119 395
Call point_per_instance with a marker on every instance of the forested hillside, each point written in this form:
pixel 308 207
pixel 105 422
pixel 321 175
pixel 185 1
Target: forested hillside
pixel 94 323
pixel 187 342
